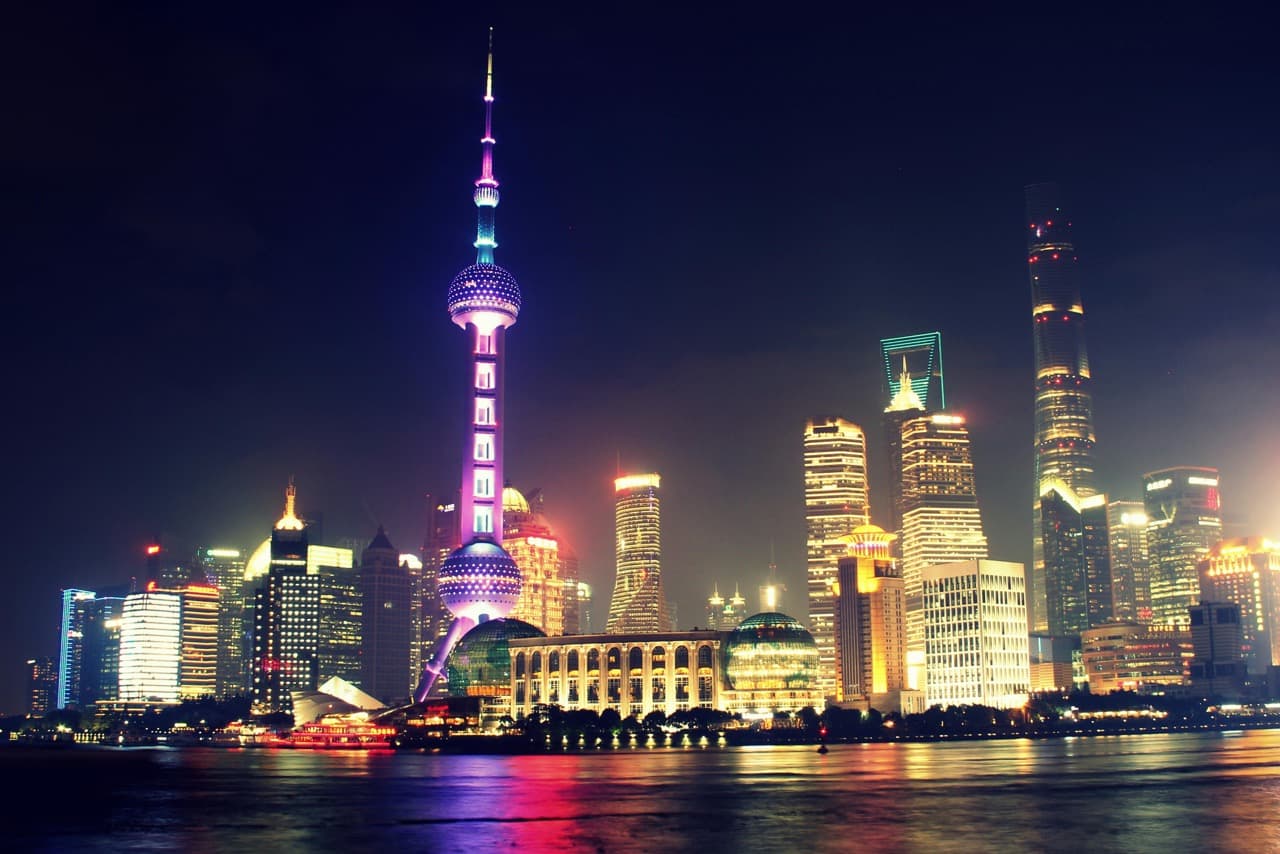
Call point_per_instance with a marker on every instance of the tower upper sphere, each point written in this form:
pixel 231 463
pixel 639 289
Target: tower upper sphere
pixel 484 289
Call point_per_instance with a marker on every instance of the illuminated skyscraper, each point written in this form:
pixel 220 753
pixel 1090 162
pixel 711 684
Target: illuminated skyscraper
pixel 639 603
pixel 386 625
pixel 1218 667
pixel 431 618
pixel 724 615
pixel 225 570
pixel 338 651
pixel 904 405
pixel 941 521
pixel 198 653
pixel 977 647
pixel 1076 545
pixel 536 550
pixel 573 599
pixel 1246 572
pixel 1184 519
pixel 871 622
pixel 835 501
pixel 42 685
pixel 286 631
pixel 1064 437
pixel 71 646
pixel 479 581
pixel 151 647
pixel 1130 580
pixel 919 358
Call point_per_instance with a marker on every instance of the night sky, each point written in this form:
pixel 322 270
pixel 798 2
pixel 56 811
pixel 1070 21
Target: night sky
pixel 229 236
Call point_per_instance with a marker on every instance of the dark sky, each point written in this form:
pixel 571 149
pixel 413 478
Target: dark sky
pixel 230 233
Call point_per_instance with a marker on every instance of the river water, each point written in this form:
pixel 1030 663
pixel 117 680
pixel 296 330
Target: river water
pixel 1155 792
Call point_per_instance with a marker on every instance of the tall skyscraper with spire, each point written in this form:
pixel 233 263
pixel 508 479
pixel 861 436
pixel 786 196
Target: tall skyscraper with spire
pixel 1064 436
pixel 479 581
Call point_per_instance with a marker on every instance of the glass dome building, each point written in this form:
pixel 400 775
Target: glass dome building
pixel 771 652
pixel 480 665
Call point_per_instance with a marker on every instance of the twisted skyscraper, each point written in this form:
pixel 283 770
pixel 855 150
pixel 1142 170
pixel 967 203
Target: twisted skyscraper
pixel 480 581
pixel 1064 407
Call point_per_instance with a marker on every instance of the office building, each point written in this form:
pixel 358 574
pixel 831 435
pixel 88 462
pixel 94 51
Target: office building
pixel 1131 656
pixel 198 653
pixel 42 686
pixel 71 646
pixel 1218 667
pixel 1053 662
pixel 639 603
pixel 224 568
pixel 341 607
pixel 917 359
pixel 286 631
pixel 571 580
pixel 536 550
pixel 941 522
pixel 479 581
pixel 1184 521
pixel 976 640
pixel 1246 572
pixel 724 615
pixel 1130 580
pixel 151 647
pixel 1064 436
pixel 835 500
pixel 871 660
pixel 431 618
pixel 386 623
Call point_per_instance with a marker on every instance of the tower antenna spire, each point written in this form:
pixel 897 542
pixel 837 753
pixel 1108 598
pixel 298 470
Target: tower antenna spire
pixel 486 194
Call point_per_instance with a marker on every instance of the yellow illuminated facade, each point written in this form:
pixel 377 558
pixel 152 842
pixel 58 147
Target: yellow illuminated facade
pixel 531 544
pixel 1184 522
pixel 198 671
pixel 871 622
pixel 1246 572
pixel 835 500
pixel 1130 570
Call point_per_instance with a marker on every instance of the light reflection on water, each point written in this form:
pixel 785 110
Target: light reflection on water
pixel 1136 793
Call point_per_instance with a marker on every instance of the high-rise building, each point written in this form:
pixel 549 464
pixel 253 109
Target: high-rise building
pixel 71 646
pixel 1184 521
pixel 1130 581
pixel 42 685
pixel 536 550
pixel 639 602
pixel 224 567
pixel 338 653
pixel 871 660
pixel 918 358
pixel 1246 572
pixel 572 582
pixel 386 624
pixel 431 618
pixel 198 655
pixel 904 405
pixel 724 615
pixel 1218 666
pixel 586 625
pixel 479 581
pixel 976 641
pixel 1130 656
pixel 1064 436
pixel 286 613
pixel 1076 546
pixel 941 522
pixel 835 501
pixel 151 647
pixel 170 568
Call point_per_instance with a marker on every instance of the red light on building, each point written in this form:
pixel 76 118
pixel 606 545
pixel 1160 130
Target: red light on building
pixel 151 586
pixel 153 550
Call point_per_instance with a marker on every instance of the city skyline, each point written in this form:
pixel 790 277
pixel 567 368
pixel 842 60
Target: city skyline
pixel 212 473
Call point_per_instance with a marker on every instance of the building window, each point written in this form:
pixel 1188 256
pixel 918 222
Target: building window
pixel 483 483
pixel 484 411
pixel 484 447
pixel 484 344
pixel 483 520
pixel 485 372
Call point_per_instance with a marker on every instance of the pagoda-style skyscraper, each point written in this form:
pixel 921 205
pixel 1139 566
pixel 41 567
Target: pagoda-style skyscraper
pixel 480 581
pixel 1064 402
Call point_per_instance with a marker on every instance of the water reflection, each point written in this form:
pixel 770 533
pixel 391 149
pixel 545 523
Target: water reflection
pixel 1191 791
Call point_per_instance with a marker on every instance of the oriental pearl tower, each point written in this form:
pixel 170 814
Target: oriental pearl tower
pixel 480 581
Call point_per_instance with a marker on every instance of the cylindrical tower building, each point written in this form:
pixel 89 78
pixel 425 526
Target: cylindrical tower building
pixel 639 603
pixel 479 581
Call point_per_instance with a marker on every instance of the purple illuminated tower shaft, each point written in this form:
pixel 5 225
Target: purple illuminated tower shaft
pixel 480 581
